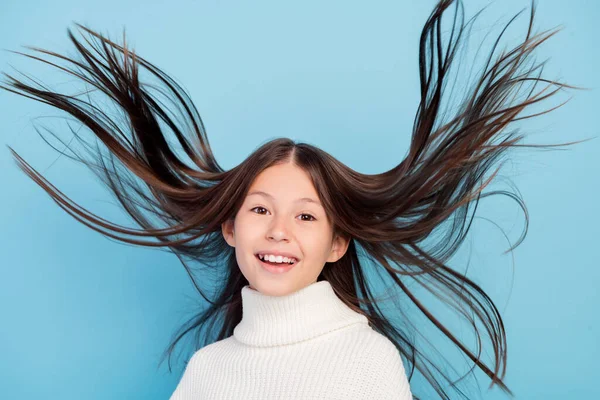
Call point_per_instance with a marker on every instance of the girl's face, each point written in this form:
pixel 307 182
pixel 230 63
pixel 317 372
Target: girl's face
pixel 287 217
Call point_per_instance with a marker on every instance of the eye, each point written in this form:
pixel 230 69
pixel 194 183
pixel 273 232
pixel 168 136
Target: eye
pixel 313 218
pixel 258 207
pixel 306 220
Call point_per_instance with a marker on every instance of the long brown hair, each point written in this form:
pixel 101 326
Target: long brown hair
pixel 388 216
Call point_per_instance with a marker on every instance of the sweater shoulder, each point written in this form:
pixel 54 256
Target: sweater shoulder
pixel 382 365
pixel 372 341
pixel 213 349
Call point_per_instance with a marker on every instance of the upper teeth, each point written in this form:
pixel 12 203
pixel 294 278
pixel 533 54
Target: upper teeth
pixel 277 259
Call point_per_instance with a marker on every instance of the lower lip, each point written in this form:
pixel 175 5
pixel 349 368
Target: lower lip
pixel 276 269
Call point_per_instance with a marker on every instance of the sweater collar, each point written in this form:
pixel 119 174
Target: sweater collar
pixel 279 320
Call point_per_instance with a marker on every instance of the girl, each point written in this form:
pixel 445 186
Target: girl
pixel 282 234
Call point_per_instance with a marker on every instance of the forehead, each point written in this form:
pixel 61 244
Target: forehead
pixel 282 178
pixel 269 196
pixel 284 183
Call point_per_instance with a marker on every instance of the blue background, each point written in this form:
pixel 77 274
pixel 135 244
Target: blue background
pixel 87 317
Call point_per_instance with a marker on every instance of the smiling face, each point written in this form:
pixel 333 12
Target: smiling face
pixel 282 219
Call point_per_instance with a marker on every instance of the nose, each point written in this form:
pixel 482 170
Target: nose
pixel 279 230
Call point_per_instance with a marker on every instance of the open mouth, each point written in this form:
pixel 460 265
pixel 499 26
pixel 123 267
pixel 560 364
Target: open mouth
pixel 282 265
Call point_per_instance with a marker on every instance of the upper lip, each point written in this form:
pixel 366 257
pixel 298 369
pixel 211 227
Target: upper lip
pixel 278 253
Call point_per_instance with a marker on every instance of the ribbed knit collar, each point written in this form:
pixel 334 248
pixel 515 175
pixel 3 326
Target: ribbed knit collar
pixel 278 320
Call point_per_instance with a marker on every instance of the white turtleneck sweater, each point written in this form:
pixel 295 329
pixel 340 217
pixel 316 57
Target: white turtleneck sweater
pixel 304 345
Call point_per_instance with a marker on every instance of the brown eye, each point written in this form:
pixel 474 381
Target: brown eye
pixel 258 207
pixel 313 218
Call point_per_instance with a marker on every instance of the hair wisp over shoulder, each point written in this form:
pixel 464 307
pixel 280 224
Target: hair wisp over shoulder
pixel 388 216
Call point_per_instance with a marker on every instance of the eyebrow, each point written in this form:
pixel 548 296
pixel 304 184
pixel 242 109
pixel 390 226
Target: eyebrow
pixel 303 199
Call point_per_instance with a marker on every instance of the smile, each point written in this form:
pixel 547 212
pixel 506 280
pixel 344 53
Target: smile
pixel 276 268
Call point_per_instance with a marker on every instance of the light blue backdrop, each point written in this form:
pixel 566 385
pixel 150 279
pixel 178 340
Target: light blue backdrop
pixel 84 317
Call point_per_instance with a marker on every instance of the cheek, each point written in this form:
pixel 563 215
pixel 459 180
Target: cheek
pixel 315 249
pixel 244 230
